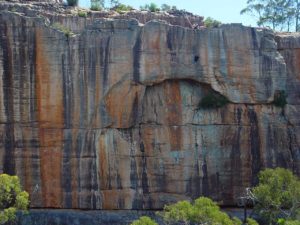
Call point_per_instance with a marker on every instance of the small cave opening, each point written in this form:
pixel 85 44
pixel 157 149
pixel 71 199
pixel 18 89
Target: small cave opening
pixel 196 58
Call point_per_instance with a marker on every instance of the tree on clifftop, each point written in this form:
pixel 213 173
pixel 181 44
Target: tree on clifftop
pixel 278 14
pixel 12 198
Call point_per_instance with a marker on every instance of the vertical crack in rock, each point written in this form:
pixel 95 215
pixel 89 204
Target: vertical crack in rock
pixel 8 96
pixel 66 169
pixel 254 145
pixel 67 89
pixel 235 160
pixel 294 150
pixel 105 48
pixel 137 57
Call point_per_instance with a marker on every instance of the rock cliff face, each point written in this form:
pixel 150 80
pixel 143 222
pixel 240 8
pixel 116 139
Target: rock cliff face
pixel 109 118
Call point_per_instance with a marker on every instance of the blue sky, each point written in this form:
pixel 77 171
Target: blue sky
pixel 227 11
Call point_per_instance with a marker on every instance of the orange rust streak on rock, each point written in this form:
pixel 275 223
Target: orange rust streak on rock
pixel 120 104
pixel 50 115
pixel 103 162
pixel 173 103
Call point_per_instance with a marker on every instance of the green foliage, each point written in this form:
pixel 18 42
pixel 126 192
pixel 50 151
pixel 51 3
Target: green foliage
pixel 62 28
pixel 97 5
pixel 210 22
pixel 280 99
pixel 292 222
pixel 144 220
pixel 114 3
pixel 166 7
pixel 279 14
pixel 203 211
pixel 282 221
pixel 213 100
pixel 152 7
pixel 12 198
pixel 251 221
pixel 122 8
pixel 72 2
pixel 277 195
pixel 82 14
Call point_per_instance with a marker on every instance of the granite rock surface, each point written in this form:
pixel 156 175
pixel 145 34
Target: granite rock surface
pixel 108 117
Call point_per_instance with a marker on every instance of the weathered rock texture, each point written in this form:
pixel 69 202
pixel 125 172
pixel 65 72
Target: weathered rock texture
pixel 109 118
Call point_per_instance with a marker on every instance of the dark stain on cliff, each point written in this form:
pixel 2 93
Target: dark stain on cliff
pixel 136 58
pixel 105 62
pixel 294 150
pixel 9 163
pixel 254 38
pixel 145 186
pixel 82 84
pixel 170 36
pixel 67 92
pixel 254 145
pixel 235 156
pixel 205 184
pixel 66 169
pixel 135 110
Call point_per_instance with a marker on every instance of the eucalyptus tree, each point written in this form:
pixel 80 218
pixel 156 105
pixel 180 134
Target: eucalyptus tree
pixel 278 14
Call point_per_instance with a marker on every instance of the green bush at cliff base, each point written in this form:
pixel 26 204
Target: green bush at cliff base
pixel 280 99
pixel 277 196
pixel 202 211
pixel 72 2
pixel 282 221
pixel 12 198
pixel 213 100
pixel 144 220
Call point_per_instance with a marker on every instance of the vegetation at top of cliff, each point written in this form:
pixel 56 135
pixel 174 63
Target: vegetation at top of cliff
pixel 213 100
pixel 211 23
pixel 12 198
pixel 152 7
pixel 120 8
pixel 280 99
pixel 279 14
pixel 82 14
pixel 97 5
pixel 277 196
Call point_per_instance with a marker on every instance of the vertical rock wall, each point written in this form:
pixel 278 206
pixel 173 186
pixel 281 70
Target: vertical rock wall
pixel 110 118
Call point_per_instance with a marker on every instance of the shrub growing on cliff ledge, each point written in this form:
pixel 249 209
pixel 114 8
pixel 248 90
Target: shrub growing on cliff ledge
pixel 213 100
pixel 280 99
pixel 12 198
